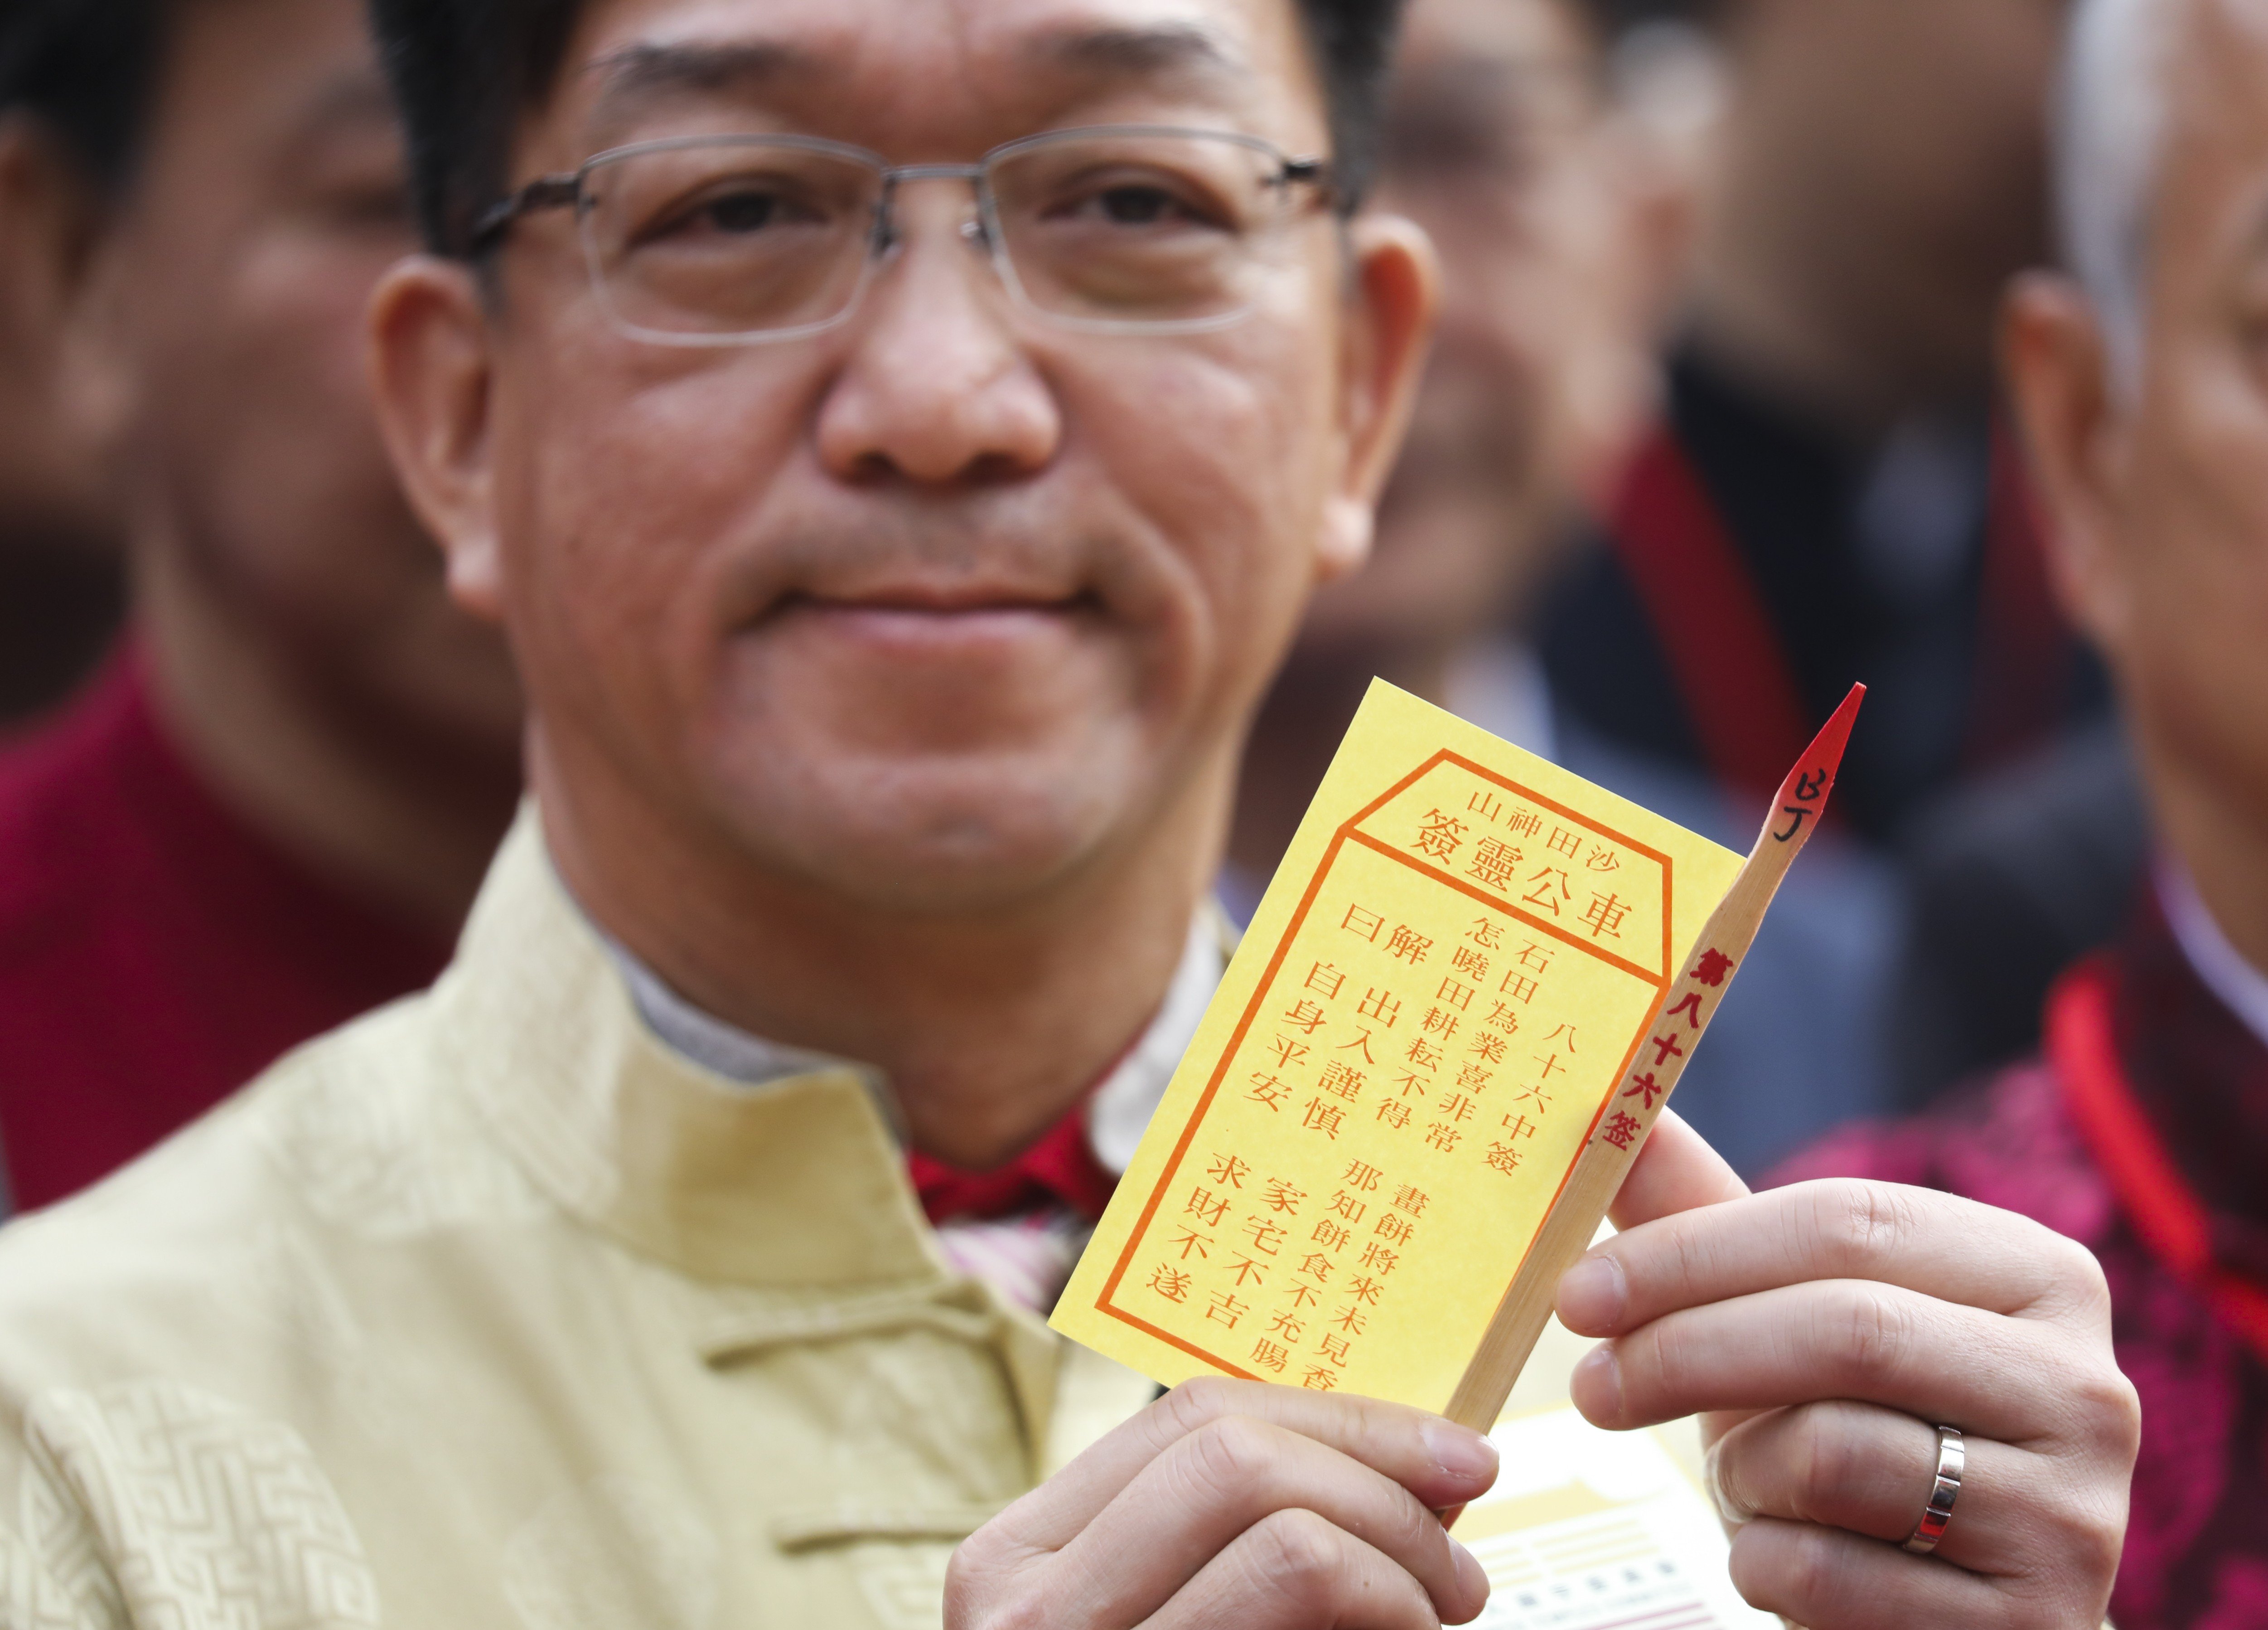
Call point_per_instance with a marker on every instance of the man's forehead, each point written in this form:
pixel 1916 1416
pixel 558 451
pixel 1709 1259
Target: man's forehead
pixel 1495 31
pixel 2216 48
pixel 937 61
pixel 2216 85
pixel 266 89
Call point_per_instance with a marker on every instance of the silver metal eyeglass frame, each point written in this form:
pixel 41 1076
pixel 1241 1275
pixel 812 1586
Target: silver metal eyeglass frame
pixel 572 191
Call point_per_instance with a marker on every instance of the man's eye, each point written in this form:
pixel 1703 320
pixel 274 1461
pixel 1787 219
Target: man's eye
pixel 1137 206
pixel 742 212
pixel 1416 152
pixel 383 205
pixel 1142 204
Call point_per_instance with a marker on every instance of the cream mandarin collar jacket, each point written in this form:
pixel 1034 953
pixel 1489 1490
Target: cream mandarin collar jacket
pixel 489 1310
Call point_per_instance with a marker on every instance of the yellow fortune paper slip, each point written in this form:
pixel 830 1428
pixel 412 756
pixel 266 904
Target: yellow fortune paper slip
pixel 1448 988
pixel 1471 986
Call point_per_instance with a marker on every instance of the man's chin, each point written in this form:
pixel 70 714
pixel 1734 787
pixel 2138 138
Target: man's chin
pixel 930 838
pixel 875 695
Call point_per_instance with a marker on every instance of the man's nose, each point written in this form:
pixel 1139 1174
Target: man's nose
pixel 936 389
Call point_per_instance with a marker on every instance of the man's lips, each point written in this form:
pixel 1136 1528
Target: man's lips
pixel 931 616
pixel 940 599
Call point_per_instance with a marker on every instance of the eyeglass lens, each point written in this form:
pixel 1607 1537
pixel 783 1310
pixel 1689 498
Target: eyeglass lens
pixel 725 239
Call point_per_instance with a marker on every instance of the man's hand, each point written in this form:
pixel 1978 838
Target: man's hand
pixel 1824 1330
pixel 1232 1504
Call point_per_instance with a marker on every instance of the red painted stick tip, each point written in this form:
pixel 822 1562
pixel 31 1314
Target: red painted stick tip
pixel 1813 779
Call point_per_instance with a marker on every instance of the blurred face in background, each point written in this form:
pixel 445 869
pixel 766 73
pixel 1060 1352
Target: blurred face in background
pixel 51 485
pixel 1896 150
pixel 2161 494
pixel 61 578
pixel 233 285
pixel 1501 142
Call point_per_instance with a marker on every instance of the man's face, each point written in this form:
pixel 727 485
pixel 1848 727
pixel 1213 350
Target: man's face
pixel 1921 185
pixel 1497 142
pixel 270 200
pixel 934 608
pixel 2190 509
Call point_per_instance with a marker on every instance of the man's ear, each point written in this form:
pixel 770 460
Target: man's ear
pixel 430 369
pixel 1396 288
pixel 2058 366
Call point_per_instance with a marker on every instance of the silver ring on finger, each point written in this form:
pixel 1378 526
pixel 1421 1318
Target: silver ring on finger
pixel 1952 1457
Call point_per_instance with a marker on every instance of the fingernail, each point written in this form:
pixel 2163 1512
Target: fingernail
pixel 1597 1385
pixel 1466 1455
pixel 1472 1578
pixel 1592 1295
pixel 1713 1478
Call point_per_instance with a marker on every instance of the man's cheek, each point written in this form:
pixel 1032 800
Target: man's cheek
pixel 1211 475
pixel 582 570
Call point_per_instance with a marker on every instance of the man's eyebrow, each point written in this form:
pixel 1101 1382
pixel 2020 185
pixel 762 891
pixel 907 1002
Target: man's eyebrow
pixel 1166 51
pixel 639 73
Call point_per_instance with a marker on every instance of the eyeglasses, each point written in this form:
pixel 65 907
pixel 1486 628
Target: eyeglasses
pixel 743 240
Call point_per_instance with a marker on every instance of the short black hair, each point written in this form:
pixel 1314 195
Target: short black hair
pixel 87 69
pixel 464 70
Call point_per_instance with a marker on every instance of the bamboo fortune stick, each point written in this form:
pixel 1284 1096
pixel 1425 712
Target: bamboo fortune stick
pixel 1620 1129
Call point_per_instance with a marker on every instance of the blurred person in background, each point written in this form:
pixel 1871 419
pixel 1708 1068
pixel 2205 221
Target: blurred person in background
pixel 62 581
pixel 1825 485
pixel 1560 233
pixel 1833 495
pixel 2142 1129
pixel 271 811
pixel 1517 133
pixel 2009 880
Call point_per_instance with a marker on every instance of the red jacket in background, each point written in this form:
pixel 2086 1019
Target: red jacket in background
pixel 2191 1081
pixel 155 952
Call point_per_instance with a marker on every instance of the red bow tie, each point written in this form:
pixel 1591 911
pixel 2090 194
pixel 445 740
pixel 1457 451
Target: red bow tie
pixel 1059 1170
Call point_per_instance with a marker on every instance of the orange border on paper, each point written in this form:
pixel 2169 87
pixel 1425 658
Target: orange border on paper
pixel 1104 1302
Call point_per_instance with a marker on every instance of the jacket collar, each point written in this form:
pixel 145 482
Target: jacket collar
pixel 797 1179
pixel 2200 1071
pixel 1118 1112
pixel 2242 988
pixel 797 1182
